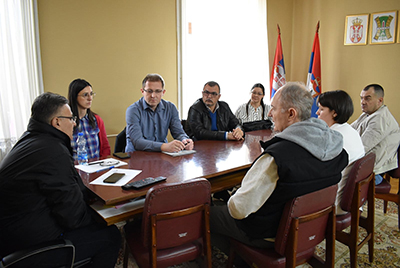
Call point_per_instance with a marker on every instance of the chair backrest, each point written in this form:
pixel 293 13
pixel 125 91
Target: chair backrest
pixel 360 171
pixel 120 142
pixel 184 123
pixel 311 212
pixel 395 173
pixel 176 212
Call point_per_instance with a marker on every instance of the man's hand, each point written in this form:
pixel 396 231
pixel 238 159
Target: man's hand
pixel 236 134
pixel 173 146
pixel 189 144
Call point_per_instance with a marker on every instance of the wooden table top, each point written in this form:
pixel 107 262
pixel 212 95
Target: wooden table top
pixel 212 159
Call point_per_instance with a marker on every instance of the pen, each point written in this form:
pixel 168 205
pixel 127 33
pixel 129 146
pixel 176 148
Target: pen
pixel 107 168
pixel 94 163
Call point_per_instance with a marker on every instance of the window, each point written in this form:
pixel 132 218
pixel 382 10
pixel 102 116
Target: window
pixel 224 41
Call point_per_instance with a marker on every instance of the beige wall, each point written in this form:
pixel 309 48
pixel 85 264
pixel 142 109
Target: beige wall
pixel 114 44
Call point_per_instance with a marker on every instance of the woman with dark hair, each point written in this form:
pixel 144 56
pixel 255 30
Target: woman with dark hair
pixel 335 108
pixel 254 109
pixel 80 97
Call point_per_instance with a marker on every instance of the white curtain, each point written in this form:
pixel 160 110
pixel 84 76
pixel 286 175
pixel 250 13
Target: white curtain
pixel 20 68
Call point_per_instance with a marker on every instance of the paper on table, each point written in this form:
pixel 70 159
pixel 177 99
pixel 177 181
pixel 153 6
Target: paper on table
pixel 96 167
pixel 110 211
pixel 129 175
pixel 183 152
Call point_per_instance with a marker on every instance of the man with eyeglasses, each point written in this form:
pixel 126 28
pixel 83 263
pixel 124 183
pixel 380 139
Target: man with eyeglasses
pixel 149 119
pixel 42 197
pixel 211 119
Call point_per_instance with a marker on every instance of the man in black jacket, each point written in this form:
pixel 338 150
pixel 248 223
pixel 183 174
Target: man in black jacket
pixel 211 119
pixel 42 197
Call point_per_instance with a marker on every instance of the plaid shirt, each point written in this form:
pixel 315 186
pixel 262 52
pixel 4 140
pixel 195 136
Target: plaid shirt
pixel 91 136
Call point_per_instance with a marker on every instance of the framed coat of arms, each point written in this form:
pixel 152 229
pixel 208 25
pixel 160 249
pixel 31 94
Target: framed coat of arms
pixel 383 27
pixel 398 31
pixel 356 29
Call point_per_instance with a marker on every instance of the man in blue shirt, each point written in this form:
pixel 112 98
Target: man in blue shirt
pixel 149 119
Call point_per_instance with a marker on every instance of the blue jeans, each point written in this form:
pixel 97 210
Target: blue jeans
pixel 378 179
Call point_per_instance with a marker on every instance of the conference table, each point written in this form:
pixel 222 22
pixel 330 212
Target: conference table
pixel 223 163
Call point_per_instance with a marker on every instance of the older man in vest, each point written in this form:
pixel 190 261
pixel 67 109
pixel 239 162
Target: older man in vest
pixel 305 155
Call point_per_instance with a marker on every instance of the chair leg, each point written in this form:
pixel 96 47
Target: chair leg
pixel 231 257
pixel 385 204
pixel 398 213
pixel 370 221
pixel 353 257
pixel 353 239
pixel 371 250
pixel 126 255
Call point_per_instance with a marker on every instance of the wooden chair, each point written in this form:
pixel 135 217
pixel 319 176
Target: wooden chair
pixel 382 191
pixel 306 221
pixel 175 227
pixel 359 188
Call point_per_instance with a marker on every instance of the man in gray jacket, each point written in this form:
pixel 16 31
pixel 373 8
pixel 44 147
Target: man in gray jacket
pixel 378 129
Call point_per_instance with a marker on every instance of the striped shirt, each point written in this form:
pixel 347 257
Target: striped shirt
pixel 91 136
pixel 254 114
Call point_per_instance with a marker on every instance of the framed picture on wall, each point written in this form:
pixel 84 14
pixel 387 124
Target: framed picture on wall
pixel 356 30
pixel 383 27
pixel 398 30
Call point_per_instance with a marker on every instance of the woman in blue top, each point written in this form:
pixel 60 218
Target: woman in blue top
pixel 80 97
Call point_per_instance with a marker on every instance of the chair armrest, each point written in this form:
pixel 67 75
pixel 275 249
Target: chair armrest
pixel 38 249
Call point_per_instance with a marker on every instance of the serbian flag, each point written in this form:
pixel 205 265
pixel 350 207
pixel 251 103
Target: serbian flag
pixel 278 71
pixel 314 73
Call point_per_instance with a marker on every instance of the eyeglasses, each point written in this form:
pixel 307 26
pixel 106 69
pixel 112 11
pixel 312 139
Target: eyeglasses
pixel 72 118
pixel 213 94
pixel 150 91
pixel 257 93
pixel 87 94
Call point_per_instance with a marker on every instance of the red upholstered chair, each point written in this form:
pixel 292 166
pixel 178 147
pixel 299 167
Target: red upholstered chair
pixel 359 188
pixel 306 221
pixel 382 191
pixel 175 226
